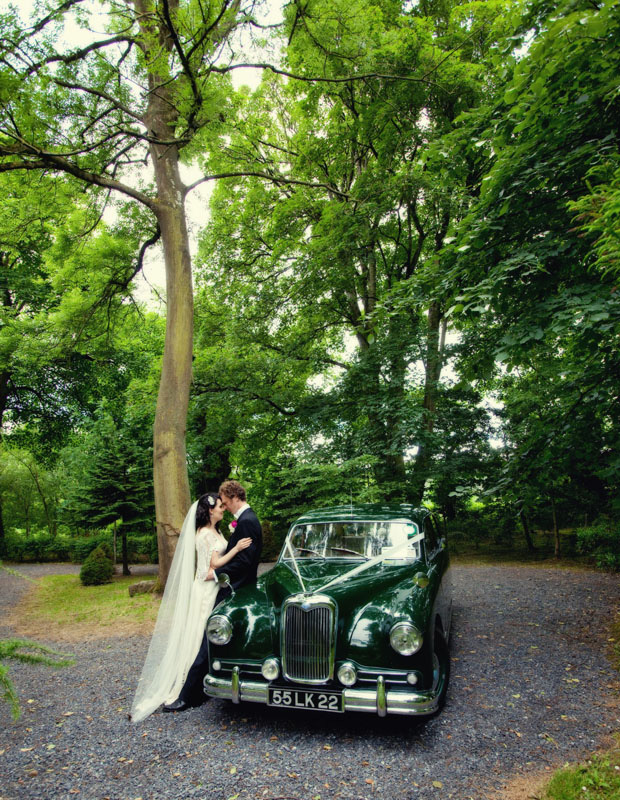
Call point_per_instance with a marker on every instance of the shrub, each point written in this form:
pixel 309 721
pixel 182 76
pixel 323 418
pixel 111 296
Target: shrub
pixel 271 546
pixel 601 542
pixel 97 569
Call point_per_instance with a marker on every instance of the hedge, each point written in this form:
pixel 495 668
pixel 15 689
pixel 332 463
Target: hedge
pixel 45 548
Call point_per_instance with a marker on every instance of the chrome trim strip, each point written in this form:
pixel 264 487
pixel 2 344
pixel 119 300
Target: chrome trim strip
pixel 234 685
pixel 381 697
pixel 396 702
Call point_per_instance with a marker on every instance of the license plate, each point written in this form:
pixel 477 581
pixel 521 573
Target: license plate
pixel 302 698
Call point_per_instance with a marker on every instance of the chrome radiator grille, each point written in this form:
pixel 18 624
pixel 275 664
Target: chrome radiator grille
pixel 308 639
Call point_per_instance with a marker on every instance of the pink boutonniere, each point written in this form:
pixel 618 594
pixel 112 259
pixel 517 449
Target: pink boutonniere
pixel 232 526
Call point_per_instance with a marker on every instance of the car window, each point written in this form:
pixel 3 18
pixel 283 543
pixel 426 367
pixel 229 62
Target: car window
pixel 356 540
pixel 431 534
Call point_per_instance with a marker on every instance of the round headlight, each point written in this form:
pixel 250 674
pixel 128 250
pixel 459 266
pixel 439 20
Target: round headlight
pixel 405 638
pixel 347 674
pixel 219 630
pixel 270 669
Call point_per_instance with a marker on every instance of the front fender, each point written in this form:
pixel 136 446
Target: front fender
pixel 368 637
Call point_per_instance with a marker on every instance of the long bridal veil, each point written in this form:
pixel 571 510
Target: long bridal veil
pixel 162 660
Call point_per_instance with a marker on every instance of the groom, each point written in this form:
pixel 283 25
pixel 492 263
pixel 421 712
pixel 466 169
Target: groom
pixel 243 567
pixel 241 570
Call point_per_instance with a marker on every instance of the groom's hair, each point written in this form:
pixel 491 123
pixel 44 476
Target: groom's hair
pixel 233 489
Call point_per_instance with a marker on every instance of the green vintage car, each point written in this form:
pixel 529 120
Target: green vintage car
pixel 354 616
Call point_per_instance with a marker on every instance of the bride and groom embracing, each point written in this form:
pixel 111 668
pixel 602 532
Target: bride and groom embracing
pixel 177 658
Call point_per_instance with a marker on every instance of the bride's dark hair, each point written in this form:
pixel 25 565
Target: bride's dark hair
pixel 206 503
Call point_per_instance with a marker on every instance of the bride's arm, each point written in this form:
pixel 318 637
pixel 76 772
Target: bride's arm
pixel 219 560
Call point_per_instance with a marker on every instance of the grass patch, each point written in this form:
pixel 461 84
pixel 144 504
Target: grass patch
pixel 597 779
pixel 58 607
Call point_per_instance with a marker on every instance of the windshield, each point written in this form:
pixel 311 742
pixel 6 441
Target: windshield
pixel 360 540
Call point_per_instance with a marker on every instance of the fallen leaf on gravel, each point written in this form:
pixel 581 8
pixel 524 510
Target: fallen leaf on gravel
pixel 292 775
pixel 30 701
pixel 370 781
pixel 50 746
pixel 327 747
pixel 26 749
pixel 68 713
pixel 438 784
pixel 273 738
pixel 233 770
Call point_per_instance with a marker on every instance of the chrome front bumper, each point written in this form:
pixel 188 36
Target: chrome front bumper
pixel 375 701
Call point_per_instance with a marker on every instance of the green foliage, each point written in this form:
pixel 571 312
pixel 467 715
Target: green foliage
pixel 291 487
pixel 334 272
pixel 597 779
pixel 601 542
pixel 97 569
pixel 41 547
pixel 30 653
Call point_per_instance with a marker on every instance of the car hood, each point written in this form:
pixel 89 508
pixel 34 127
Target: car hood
pixel 369 603
pixel 356 590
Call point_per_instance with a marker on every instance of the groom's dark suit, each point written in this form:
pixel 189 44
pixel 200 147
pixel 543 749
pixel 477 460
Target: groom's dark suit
pixel 243 567
pixel 241 570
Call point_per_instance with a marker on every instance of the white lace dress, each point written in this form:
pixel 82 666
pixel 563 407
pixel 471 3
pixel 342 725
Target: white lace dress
pixel 201 603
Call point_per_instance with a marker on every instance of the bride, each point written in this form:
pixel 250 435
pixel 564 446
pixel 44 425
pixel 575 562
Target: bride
pixel 187 602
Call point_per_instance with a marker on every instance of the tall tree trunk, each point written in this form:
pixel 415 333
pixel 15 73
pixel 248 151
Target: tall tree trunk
pixel 4 393
pixel 125 556
pixel 526 531
pixel 435 342
pixel 556 529
pixel 170 479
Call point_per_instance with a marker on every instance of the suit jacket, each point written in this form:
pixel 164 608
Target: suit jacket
pixel 243 567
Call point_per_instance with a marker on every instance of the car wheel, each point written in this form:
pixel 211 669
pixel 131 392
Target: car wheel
pixel 441 668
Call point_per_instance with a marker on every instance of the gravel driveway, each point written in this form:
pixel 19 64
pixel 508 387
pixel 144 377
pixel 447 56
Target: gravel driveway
pixel 531 688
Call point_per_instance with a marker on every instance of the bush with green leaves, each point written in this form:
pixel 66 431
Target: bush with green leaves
pixel 601 542
pixel 97 569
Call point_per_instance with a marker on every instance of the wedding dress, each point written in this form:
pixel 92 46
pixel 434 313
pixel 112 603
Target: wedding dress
pixel 187 602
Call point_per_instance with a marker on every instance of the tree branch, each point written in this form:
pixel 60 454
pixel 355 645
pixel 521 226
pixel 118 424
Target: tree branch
pixel 77 55
pixel 315 79
pixel 54 162
pixel 278 179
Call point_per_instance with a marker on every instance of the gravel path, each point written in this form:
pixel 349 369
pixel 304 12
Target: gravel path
pixel 531 688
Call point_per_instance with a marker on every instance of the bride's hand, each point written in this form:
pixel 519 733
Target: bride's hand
pixel 243 543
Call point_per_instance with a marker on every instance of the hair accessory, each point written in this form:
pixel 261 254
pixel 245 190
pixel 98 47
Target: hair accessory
pixel 211 501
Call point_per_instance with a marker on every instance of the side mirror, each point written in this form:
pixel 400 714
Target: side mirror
pixel 224 580
pixel 421 579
